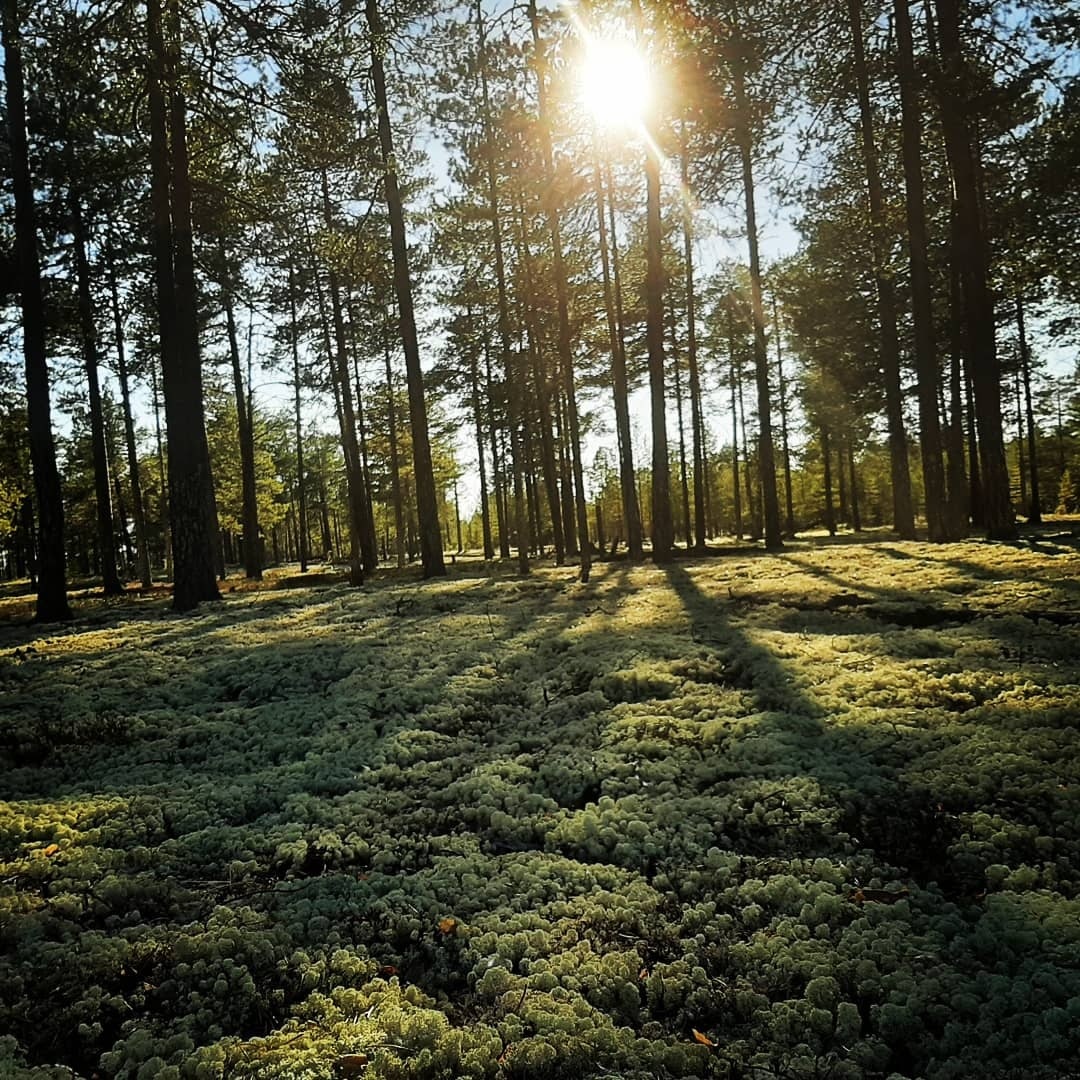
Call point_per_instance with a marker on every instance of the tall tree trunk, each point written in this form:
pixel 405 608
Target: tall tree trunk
pixel 431 549
pixel 543 398
pixel 566 484
pixel 971 252
pixel 106 537
pixel 138 508
pixel 52 604
pixel 245 430
pixel 301 482
pixel 1035 506
pixel 766 459
pixel 369 544
pixel 339 380
pixel 496 456
pixel 163 485
pixel 785 444
pixel 512 376
pixel 696 412
pixel 192 518
pixel 619 382
pixel 1021 464
pixel 826 457
pixel 684 485
pixel 395 458
pixel 853 487
pixel 960 494
pixel 566 358
pixel 940 520
pixel 736 393
pixel 903 510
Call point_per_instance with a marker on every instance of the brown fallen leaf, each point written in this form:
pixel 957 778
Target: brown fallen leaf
pixel 703 1039
pixel 447 925
pixel 350 1065
pixel 52 849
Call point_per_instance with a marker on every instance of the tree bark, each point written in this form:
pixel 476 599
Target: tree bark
pixel 785 444
pixel 431 549
pixel 566 359
pixel 696 412
pixel 138 509
pixel 395 459
pixel 106 536
pixel 903 511
pixel 939 520
pixel 192 516
pixel 246 432
pixel 970 251
pixel 619 383
pixel 51 603
pixel 1035 506
pixel 511 375
pixel 301 483
pixel 766 457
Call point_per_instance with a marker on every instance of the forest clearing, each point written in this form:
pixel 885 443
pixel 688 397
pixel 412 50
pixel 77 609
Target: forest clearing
pixel 806 814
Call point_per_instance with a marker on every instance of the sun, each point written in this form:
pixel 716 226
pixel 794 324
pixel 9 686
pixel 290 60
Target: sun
pixel 615 83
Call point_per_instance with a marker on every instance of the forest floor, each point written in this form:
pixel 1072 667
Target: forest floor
pixel 807 815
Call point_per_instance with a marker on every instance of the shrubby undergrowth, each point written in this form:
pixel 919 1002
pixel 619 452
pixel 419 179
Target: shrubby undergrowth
pixel 808 816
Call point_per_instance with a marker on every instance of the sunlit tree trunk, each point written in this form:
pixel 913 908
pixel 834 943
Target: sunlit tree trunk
pixel 246 431
pixel 826 457
pixel 138 507
pixel 514 405
pixel 696 413
pixel 1035 506
pixel 196 546
pixel 106 536
pixel 734 382
pixel 619 383
pixel 970 251
pixel 785 445
pixel 566 360
pixel 938 518
pixel 431 550
pixel 301 481
pixel 52 604
pixel 766 462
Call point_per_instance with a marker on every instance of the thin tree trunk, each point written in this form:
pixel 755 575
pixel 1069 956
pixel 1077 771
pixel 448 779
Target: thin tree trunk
pixel 971 252
pixel 52 604
pixel 431 550
pixel 696 412
pixel 619 383
pixel 785 445
pixel 736 393
pixel 766 462
pixel 543 394
pixel 684 485
pixel 512 376
pixel 395 458
pixel 853 487
pixel 301 483
pixel 106 537
pixel 1035 506
pixel 957 476
pixel 246 431
pixel 566 359
pixel 939 519
pixel 138 509
pixel 566 486
pixel 826 455
pixel 1021 464
pixel 496 456
pixel 339 380
pixel 903 511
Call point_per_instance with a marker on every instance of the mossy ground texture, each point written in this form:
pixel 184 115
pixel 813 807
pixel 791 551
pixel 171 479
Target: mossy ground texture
pixel 807 816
